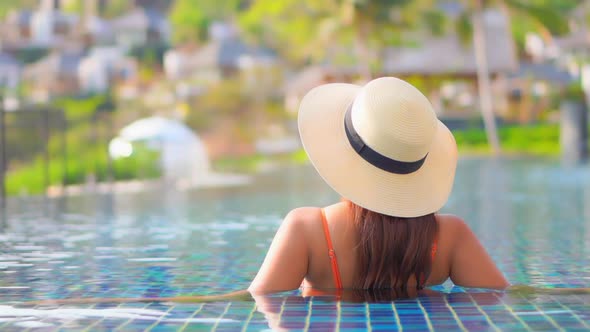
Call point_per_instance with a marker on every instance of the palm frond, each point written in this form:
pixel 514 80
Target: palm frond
pixel 548 16
pixel 464 27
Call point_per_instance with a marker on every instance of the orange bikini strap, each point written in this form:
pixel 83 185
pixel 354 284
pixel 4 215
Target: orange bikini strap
pixel 331 252
pixel 433 251
pixel 434 248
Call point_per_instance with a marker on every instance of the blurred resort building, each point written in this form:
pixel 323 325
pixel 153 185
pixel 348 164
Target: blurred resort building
pixel 241 96
pixel 66 54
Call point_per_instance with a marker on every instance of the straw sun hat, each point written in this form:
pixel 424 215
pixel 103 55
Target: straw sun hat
pixel 380 145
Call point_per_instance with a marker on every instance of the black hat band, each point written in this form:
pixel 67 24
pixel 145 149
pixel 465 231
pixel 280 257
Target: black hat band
pixel 375 158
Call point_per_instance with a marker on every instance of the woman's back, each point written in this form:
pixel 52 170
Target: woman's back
pixel 458 256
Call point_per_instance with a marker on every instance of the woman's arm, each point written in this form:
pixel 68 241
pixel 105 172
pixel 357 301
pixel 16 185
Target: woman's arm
pixel 471 265
pixel 285 264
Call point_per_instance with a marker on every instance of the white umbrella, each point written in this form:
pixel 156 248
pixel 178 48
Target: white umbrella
pixel 183 155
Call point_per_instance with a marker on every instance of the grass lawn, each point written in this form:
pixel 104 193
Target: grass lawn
pixel 536 140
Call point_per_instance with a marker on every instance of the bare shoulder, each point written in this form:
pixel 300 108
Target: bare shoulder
pixel 452 227
pixel 452 222
pixel 304 213
pixel 302 217
pixel 449 219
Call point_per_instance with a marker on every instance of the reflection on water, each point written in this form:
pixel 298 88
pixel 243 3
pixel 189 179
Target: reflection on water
pixel 27 317
pixel 474 310
pixel 293 312
pixel 533 217
pixel 530 215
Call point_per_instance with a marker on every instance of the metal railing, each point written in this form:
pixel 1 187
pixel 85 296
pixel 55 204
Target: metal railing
pixel 44 116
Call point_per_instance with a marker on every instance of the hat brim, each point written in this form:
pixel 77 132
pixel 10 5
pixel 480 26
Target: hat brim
pixel 321 127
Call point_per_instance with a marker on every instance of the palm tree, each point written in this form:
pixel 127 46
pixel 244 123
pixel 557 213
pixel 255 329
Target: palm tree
pixel 483 77
pixel 548 18
pixel 308 29
pixel 375 23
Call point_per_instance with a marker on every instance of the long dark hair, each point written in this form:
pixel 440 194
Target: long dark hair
pixel 392 249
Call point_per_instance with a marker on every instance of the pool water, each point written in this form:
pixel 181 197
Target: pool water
pixel 532 215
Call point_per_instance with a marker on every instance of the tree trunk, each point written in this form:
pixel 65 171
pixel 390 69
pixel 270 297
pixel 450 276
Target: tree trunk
pixel 483 78
pixel 3 156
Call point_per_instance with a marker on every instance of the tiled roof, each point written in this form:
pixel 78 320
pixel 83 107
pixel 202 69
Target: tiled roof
pixel 449 55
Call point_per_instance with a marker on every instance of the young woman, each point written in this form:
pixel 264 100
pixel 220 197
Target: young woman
pixel 382 148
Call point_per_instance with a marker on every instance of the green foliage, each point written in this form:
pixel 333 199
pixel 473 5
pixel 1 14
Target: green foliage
pixel 551 15
pixel 520 27
pixel 537 140
pixel 288 22
pixel 189 23
pixel 310 29
pixel 464 28
pixel 86 149
pixel 144 163
pixel 299 157
pixel 30 179
pixel 528 140
pixel 525 16
pixel 149 55
pixel 7 6
pixel 150 58
pixel 254 162
pixel 116 8
pixel 574 92
pixel 239 164
pixel 233 113
pixel 419 82
pixel 190 19
pixel 78 110
pixel 224 98
pixel 231 100
pixel 545 15
pixel 436 21
pixel 73 6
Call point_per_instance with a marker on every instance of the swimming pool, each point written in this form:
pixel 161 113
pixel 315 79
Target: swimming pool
pixel 532 215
